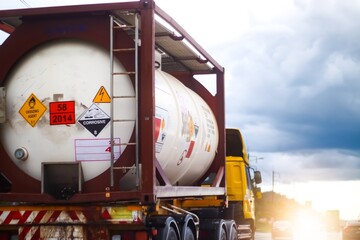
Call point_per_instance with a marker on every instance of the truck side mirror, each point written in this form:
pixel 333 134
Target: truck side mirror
pixel 257 177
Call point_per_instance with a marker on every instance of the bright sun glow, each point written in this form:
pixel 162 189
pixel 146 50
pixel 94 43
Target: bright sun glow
pixel 308 226
pixel 325 196
pixel 311 226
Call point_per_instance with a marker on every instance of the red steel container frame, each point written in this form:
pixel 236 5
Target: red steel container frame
pixel 148 191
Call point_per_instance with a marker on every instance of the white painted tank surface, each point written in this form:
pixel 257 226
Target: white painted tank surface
pixel 74 75
pixel 185 130
pixel 59 71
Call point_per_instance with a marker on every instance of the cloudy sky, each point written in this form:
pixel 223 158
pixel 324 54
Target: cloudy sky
pixel 292 86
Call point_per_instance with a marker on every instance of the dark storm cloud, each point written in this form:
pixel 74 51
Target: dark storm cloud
pixel 298 80
pixel 311 165
pixel 293 87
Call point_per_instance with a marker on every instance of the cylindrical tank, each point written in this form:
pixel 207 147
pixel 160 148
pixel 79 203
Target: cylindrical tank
pixel 185 130
pixel 74 75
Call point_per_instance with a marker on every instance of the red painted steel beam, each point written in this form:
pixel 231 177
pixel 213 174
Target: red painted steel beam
pixel 6 28
pixel 146 104
pixel 104 7
pixel 77 198
pixel 161 176
pixel 220 117
pixel 219 177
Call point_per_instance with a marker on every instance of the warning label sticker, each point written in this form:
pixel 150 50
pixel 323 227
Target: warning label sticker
pixel 102 96
pixel 32 110
pixel 94 119
pixel 161 121
pixel 62 113
pixel 96 149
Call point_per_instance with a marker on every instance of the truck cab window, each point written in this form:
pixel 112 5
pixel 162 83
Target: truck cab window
pixel 248 178
pixel 234 145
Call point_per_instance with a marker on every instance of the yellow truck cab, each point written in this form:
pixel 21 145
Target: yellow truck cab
pixel 241 187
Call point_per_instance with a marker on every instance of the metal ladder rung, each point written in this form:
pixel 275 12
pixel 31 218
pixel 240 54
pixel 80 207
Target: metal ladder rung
pixel 123 168
pixel 123 49
pixel 124 26
pixel 125 144
pixel 123 97
pixel 123 73
pixel 123 120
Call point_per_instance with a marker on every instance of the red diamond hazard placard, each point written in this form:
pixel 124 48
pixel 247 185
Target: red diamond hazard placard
pixel 94 119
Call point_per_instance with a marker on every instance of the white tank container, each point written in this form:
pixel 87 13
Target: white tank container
pixel 76 71
pixel 185 129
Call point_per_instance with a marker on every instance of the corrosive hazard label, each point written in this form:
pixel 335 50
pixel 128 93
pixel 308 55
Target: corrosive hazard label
pixel 94 119
pixel 32 110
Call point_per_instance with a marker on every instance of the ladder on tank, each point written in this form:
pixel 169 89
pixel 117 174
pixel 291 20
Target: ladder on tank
pixel 116 24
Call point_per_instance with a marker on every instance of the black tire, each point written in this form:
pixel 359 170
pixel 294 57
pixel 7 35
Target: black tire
pixel 172 234
pixel 252 236
pixel 233 234
pixel 188 235
pixel 222 235
pixel 252 227
pixel 169 231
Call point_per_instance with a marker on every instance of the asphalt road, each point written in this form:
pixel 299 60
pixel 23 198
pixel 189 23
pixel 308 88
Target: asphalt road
pixel 304 236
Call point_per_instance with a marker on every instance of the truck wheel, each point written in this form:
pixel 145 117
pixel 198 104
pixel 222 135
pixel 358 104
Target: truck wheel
pixel 233 234
pixel 169 231
pixel 188 235
pixel 172 234
pixel 252 227
pixel 252 236
pixel 222 235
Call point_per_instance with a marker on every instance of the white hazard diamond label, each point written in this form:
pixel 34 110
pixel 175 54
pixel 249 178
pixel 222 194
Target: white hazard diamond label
pixel 94 119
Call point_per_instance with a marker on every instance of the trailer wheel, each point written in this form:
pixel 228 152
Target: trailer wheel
pixel 188 235
pixel 233 234
pixel 172 234
pixel 169 234
pixel 252 227
pixel 169 231
pixel 252 236
pixel 188 230
pixel 222 235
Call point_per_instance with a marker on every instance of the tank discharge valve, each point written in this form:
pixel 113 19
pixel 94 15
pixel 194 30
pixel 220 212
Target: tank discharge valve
pixel 21 153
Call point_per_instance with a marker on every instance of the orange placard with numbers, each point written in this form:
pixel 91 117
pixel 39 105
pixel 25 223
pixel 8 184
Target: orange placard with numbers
pixel 62 113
